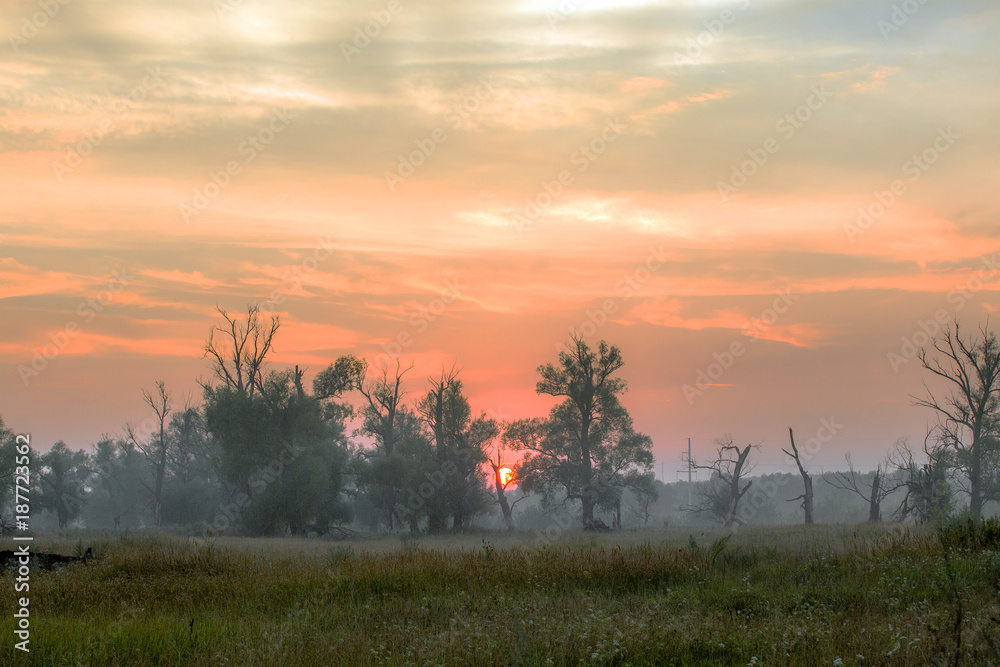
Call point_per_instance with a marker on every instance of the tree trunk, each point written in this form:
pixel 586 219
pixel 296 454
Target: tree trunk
pixel 437 518
pixel 975 483
pixel 807 495
pixel 502 497
pixel 807 502
pixel 587 492
pixel 161 467
pixel 874 506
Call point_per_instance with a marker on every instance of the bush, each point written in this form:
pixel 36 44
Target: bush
pixel 970 534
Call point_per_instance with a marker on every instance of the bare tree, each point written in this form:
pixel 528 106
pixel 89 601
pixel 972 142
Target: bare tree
pixel 882 485
pixel 969 415
pixel 807 495
pixel 722 497
pixel 384 395
pixel 155 448
pixel 239 359
pixel 642 502
pixel 501 482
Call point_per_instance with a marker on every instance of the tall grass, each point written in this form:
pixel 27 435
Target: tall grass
pixel 799 596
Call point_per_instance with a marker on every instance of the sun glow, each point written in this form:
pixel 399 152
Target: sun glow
pixel 506 476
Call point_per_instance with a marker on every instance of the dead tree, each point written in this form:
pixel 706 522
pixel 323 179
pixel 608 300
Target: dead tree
pixel 807 495
pixel 239 359
pixel 880 487
pixel 155 448
pixel 722 497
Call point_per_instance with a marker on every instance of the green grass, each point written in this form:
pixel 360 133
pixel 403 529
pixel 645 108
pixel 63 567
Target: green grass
pixel 799 596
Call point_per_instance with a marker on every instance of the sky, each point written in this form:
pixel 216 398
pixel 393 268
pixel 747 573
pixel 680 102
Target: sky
pixel 765 204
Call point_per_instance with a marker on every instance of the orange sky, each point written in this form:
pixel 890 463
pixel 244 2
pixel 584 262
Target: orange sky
pixel 476 179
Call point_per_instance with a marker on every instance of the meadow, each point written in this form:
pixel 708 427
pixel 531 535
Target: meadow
pixel 817 595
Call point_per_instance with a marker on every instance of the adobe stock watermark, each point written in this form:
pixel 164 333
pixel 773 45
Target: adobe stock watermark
pixel 31 25
pixel 957 298
pixel 87 310
pixel 584 156
pixel 723 361
pixel 121 108
pixel 427 146
pixel 696 46
pixel 915 167
pixel 246 152
pixel 625 288
pixel 786 127
pixel 421 320
pixel 900 16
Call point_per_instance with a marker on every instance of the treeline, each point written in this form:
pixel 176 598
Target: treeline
pixel 265 454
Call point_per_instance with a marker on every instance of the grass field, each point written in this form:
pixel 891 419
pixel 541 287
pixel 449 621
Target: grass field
pixel 769 596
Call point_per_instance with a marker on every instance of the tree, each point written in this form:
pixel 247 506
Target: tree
pixel 928 493
pixel 280 452
pixel 722 496
pixel 239 358
pixel 628 465
pixel 969 415
pixel 155 449
pixel 8 464
pixel 501 479
pixel 882 485
pixel 62 476
pixel 192 486
pixel 283 461
pixel 118 471
pixel 807 494
pixel 644 496
pixel 446 412
pixel 380 419
pixel 579 427
pixel 468 494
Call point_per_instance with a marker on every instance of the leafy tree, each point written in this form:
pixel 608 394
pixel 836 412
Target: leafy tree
pixel 282 460
pixel 401 483
pixel 192 487
pixel 384 417
pixel 119 487
pixel 446 411
pixel 587 431
pixel 279 452
pixel 970 415
pixel 928 492
pixel 62 476
pixel 627 465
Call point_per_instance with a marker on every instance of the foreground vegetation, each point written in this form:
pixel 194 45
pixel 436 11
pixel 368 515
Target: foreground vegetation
pixel 800 596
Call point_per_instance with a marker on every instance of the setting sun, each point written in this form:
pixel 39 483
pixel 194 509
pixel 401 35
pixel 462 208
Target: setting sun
pixel 506 476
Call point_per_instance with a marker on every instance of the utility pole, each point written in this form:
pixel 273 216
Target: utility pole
pixel 690 463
